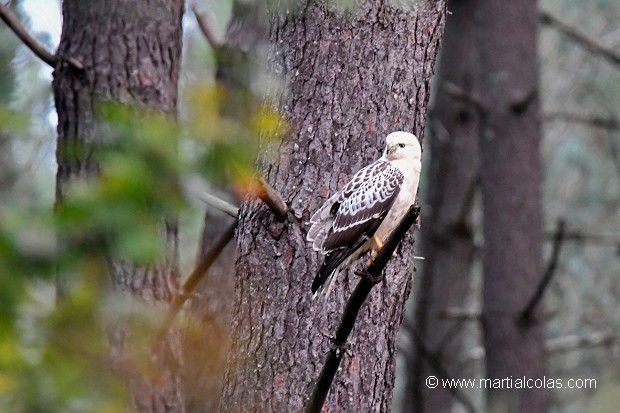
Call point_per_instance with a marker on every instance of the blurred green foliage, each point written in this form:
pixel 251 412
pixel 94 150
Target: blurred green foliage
pixel 227 147
pixel 117 214
pixel 53 353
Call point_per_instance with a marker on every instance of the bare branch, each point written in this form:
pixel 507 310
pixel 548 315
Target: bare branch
pixel 526 316
pixel 205 23
pixel 20 31
pixel 603 239
pixel 610 123
pixel 461 314
pixel 192 281
pixel 33 44
pixel 218 203
pixel 575 342
pixel 459 93
pixel 564 343
pixel 372 275
pixel 273 200
pixel 73 62
pixel 259 189
pixel 576 35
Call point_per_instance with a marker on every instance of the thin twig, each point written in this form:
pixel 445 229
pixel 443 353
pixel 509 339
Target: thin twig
pixel 373 274
pixel 575 342
pixel 205 23
pixel 192 281
pixel 218 203
pixel 526 315
pixel 461 314
pixel 561 344
pixel 576 35
pixel 602 239
pixel 260 189
pixel 458 92
pixel 33 44
pixel 273 200
pixel 610 123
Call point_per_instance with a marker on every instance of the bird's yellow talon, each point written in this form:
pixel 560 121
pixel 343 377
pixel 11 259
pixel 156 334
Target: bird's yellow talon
pixel 378 243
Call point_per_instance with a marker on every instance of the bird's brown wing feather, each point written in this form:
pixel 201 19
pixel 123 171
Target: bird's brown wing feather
pixel 362 205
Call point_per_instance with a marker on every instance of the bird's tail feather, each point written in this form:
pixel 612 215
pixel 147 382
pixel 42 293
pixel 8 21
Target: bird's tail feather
pixel 330 268
pixel 324 290
pixel 332 261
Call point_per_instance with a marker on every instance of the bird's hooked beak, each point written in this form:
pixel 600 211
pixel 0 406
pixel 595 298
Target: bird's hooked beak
pixel 390 148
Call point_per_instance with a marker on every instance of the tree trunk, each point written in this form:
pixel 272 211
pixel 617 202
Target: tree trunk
pixel 354 77
pixel 207 332
pixel 511 179
pixel 446 236
pixel 130 52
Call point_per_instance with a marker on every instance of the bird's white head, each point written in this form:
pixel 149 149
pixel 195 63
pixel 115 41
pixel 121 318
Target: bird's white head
pixel 402 145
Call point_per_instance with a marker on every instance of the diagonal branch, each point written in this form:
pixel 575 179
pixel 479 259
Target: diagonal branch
pixel 20 31
pixel 33 44
pixel 258 189
pixel 273 200
pixel 192 281
pixel 558 238
pixel 458 92
pixel 372 275
pixel 585 41
pixel 218 203
pixel 205 23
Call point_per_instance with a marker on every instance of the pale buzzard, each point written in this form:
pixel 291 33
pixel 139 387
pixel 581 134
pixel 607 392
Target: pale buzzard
pixel 361 215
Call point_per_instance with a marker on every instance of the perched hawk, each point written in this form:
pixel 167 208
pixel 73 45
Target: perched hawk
pixel 361 215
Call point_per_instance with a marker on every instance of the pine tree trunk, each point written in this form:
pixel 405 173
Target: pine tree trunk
pixel 511 179
pixel 131 52
pixel 447 236
pixel 354 77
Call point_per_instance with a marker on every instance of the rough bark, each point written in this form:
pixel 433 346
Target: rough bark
pixel 354 77
pixel 446 236
pixel 130 52
pixel 511 179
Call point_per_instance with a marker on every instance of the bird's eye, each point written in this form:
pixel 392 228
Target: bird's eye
pixel 401 145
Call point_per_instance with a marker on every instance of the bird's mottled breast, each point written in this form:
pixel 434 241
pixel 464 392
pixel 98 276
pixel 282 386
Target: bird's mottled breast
pixel 411 173
pixel 406 196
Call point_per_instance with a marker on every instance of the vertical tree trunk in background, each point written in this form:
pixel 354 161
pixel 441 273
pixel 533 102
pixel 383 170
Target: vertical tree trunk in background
pixel 354 77
pixel 511 179
pixel 207 332
pixel 131 53
pixel 446 234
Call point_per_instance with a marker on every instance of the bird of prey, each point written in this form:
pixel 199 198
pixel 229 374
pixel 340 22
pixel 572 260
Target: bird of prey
pixel 361 215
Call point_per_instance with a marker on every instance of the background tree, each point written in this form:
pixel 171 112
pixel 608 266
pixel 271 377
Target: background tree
pixel 354 76
pixel 511 198
pixel 239 57
pixel 130 53
pixel 447 243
